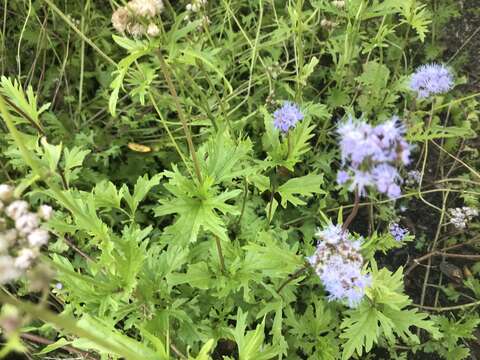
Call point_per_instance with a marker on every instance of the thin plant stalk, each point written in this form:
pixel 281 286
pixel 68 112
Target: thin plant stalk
pixel 165 125
pixel 79 33
pixel 293 276
pixel 32 162
pixel 181 116
pixel 66 323
pixel 244 200
pixel 270 205
pixel 354 211
pixel 289 144
pixel 220 254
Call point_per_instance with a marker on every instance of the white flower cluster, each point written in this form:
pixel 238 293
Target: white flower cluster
pixel 460 217
pixel 128 19
pixel 20 234
pixel 413 178
pixel 338 3
pixel 196 5
pixel 74 21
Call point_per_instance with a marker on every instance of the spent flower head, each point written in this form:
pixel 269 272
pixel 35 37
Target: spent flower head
pixel 287 116
pixel 132 17
pixel 338 263
pixel 21 237
pixel 431 79
pixel 145 8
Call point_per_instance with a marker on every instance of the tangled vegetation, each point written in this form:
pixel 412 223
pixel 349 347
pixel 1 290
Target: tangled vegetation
pixel 237 180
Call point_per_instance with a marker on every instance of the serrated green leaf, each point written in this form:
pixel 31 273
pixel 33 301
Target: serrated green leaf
pixel 140 191
pixel 52 154
pixel 197 206
pixel 383 315
pixel 106 195
pixel 302 186
pixel 198 275
pixel 251 343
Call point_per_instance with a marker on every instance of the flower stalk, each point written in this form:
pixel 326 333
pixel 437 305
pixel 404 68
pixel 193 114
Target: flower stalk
pixel 181 116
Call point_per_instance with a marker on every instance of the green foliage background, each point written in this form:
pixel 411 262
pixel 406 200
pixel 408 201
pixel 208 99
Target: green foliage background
pixel 166 250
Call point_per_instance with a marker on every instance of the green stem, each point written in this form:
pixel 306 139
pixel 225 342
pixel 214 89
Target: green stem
pixel 270 206
pixel 293 276
pixel 167 129
pixel 447 308
pixel 34 164
pixel 84 38
pixel 181 116
pixel 289 144
pixel 19 141
pixel 220 254
pixel 82 58
pixel 203 103
pixel 244 200
pixel 27 117
pixel 299 58
pixel 66 323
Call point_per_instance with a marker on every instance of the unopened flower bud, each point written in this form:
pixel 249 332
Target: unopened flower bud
pixel 17 209
pixel 6 193
pixel 26 223
pixel 45 212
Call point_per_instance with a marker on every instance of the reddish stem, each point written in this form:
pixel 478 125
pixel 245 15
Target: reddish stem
pixel 354 211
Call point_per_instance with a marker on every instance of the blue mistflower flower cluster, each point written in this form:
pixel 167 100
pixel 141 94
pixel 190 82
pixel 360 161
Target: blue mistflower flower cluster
pixel 398 232
pixel 370 153
pixel 431 79
pixel 338 263
pixel 287 116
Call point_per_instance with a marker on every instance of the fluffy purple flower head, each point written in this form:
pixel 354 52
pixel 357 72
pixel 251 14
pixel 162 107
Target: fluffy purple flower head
pixel 355 141
pixel 338 263
pixel 398 232
pixel 344 281
pixel 431 79
pixel 287 116
pixel 360 181
pixel 386 177
pixel 369 154
pixel 342 177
